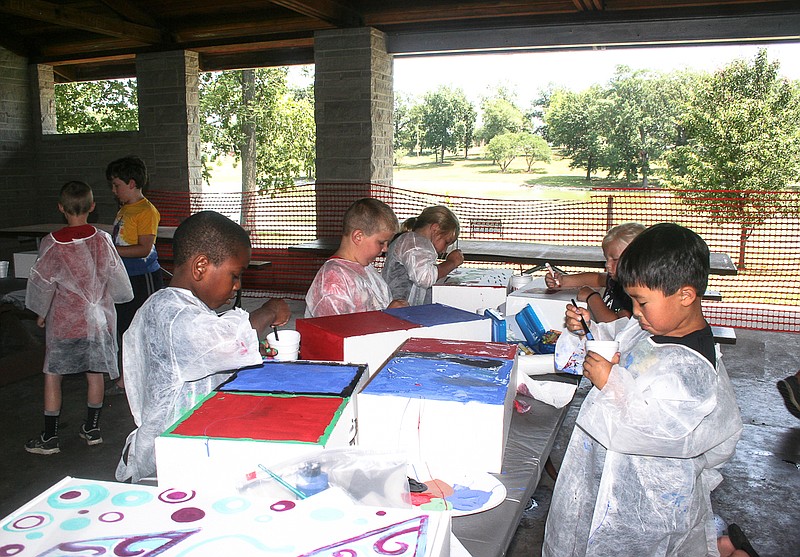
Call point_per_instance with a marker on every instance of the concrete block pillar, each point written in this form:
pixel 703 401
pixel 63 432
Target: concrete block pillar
pixel 169 119
pixel 354 100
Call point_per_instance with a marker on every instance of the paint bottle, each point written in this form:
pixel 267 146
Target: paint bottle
pixel 311 479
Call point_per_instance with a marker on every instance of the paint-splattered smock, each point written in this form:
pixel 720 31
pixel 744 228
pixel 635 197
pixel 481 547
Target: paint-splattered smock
pixel 175 352
pixel 343 286
pixel 645 453
pixel 74 285
pixel 410 269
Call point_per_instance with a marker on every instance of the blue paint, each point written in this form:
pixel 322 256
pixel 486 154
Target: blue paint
pixel 307 378
pixel 467 499
pixel 429 315
pixel 446 377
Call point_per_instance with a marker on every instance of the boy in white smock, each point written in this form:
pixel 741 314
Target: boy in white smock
pixel 348 282
pixel 73 287
pixel 659 422
pixel 177 349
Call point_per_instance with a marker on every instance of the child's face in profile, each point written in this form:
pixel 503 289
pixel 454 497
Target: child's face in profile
pixel 657 313
pixel 441 239
pixel 123 191
pixel 372 246
pixel 612 252
pixel 220 282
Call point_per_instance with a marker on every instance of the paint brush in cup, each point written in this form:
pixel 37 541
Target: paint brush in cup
pixel 284 483
pixel 583 321
pixel 275 330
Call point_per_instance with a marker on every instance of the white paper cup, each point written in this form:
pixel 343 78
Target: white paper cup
pixel 605 348
pixel 518 281
pixel 287 345
pixel 3 269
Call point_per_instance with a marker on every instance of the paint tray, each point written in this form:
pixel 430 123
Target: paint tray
pixel 533 331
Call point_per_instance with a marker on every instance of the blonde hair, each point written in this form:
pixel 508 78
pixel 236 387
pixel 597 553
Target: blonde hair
pixel 369 215
pixel 437 214
pixel 624 233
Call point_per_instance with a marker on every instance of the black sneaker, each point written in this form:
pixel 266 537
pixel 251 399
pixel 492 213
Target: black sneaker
pixel 790 391
pixel 92 436
pixel 40 445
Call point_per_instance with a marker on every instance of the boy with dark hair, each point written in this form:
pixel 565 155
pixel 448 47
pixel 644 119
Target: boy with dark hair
pixel 177 349
pixel 73 287
pixel 661 419
pixel 347 282
pixel 134 234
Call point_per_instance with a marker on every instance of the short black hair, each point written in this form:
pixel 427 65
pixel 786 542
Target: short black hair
pixel 665 257
pixel 76 198
pixel 127 169
pixel 211 234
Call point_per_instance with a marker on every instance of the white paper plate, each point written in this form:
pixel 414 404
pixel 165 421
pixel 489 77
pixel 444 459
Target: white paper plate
pixel 473 492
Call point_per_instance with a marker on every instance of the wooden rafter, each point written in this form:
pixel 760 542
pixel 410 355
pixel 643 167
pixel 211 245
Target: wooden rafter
pixel 588 5
pixel 325 10
pixel 132 12
pixel 68 17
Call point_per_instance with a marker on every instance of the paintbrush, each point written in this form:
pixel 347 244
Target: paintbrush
pixel 284 483
pixel 583 321
pixel 275 330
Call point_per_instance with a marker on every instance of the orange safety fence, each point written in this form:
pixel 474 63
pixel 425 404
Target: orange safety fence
pixel 765 294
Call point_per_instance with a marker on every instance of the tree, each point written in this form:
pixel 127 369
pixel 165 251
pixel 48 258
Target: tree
pixel 742 139
pixel 253 115
pixel 97 106
pixel 500 116
pixel 534 148
pixel 444 115
pixel 503 149
pixel 638 122
pixel 573 121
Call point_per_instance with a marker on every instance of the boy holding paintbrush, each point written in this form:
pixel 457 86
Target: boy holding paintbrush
pixel 660 421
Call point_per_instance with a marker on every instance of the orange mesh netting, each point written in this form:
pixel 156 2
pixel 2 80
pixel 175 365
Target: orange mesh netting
pixel 764 294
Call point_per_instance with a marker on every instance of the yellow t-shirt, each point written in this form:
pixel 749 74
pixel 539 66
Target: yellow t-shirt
pixel 134 220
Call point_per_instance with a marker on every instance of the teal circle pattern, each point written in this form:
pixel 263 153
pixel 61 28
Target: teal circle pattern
pixel 75 523
pixel 132 498
pixel 231 505
pixel 87 495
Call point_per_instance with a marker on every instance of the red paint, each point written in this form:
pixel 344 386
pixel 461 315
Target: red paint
pixel 499 350
pixel 264 418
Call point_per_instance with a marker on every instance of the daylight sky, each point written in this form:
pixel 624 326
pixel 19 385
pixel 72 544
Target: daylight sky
pixel 528 73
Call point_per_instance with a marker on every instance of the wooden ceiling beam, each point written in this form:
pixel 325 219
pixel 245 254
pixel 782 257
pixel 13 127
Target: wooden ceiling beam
pixel 132 12
pixel 68 17
pixel 324 10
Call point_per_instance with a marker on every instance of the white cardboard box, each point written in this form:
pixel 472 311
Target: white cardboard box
pixel 447 404
pixel 472 289
pixel 23 261
pixel 217 458
pixel 550 306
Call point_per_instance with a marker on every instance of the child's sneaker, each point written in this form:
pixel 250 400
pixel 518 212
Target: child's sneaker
pixel 40 445
pixel 790 391
pixel 92 436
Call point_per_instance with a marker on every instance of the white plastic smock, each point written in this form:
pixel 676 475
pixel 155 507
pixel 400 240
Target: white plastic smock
pixel 644 455
pixel 410 268
pixel 176 351
pixel 343 286
pixel 75 285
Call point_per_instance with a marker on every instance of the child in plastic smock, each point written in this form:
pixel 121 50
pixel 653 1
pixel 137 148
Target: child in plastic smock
pixel 613 303
pixel 348 282
pixel 411 266
pixel 73 287
pixel 178 349
pixel 660 420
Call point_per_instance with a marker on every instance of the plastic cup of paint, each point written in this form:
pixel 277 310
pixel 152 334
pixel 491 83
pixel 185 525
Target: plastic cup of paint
pixel 3 269
pixel 518 281
pixel 287 346
pixel 605 348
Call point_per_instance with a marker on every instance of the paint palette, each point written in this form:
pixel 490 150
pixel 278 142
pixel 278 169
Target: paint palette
pixel 461 494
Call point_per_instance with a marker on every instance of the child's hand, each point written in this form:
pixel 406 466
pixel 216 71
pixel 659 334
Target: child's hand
pixel 280 309
pixel 455 257
pixel 398 304
pixel 597 369
pixel 585 292
pixel 40 321
pixel 553 280
pixel 572 318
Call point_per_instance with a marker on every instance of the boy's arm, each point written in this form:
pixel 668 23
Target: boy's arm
pixel 141 249
pixel 274 312
pixel 41 287
pixel 577 280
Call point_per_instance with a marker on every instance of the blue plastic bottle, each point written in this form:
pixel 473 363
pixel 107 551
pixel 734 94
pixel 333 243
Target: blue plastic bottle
pixel 312 479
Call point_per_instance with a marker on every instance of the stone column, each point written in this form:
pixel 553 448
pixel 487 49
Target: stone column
pixel 353 91
pixel 169 123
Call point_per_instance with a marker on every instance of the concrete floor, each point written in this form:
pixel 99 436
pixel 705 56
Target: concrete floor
pixel 759 491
